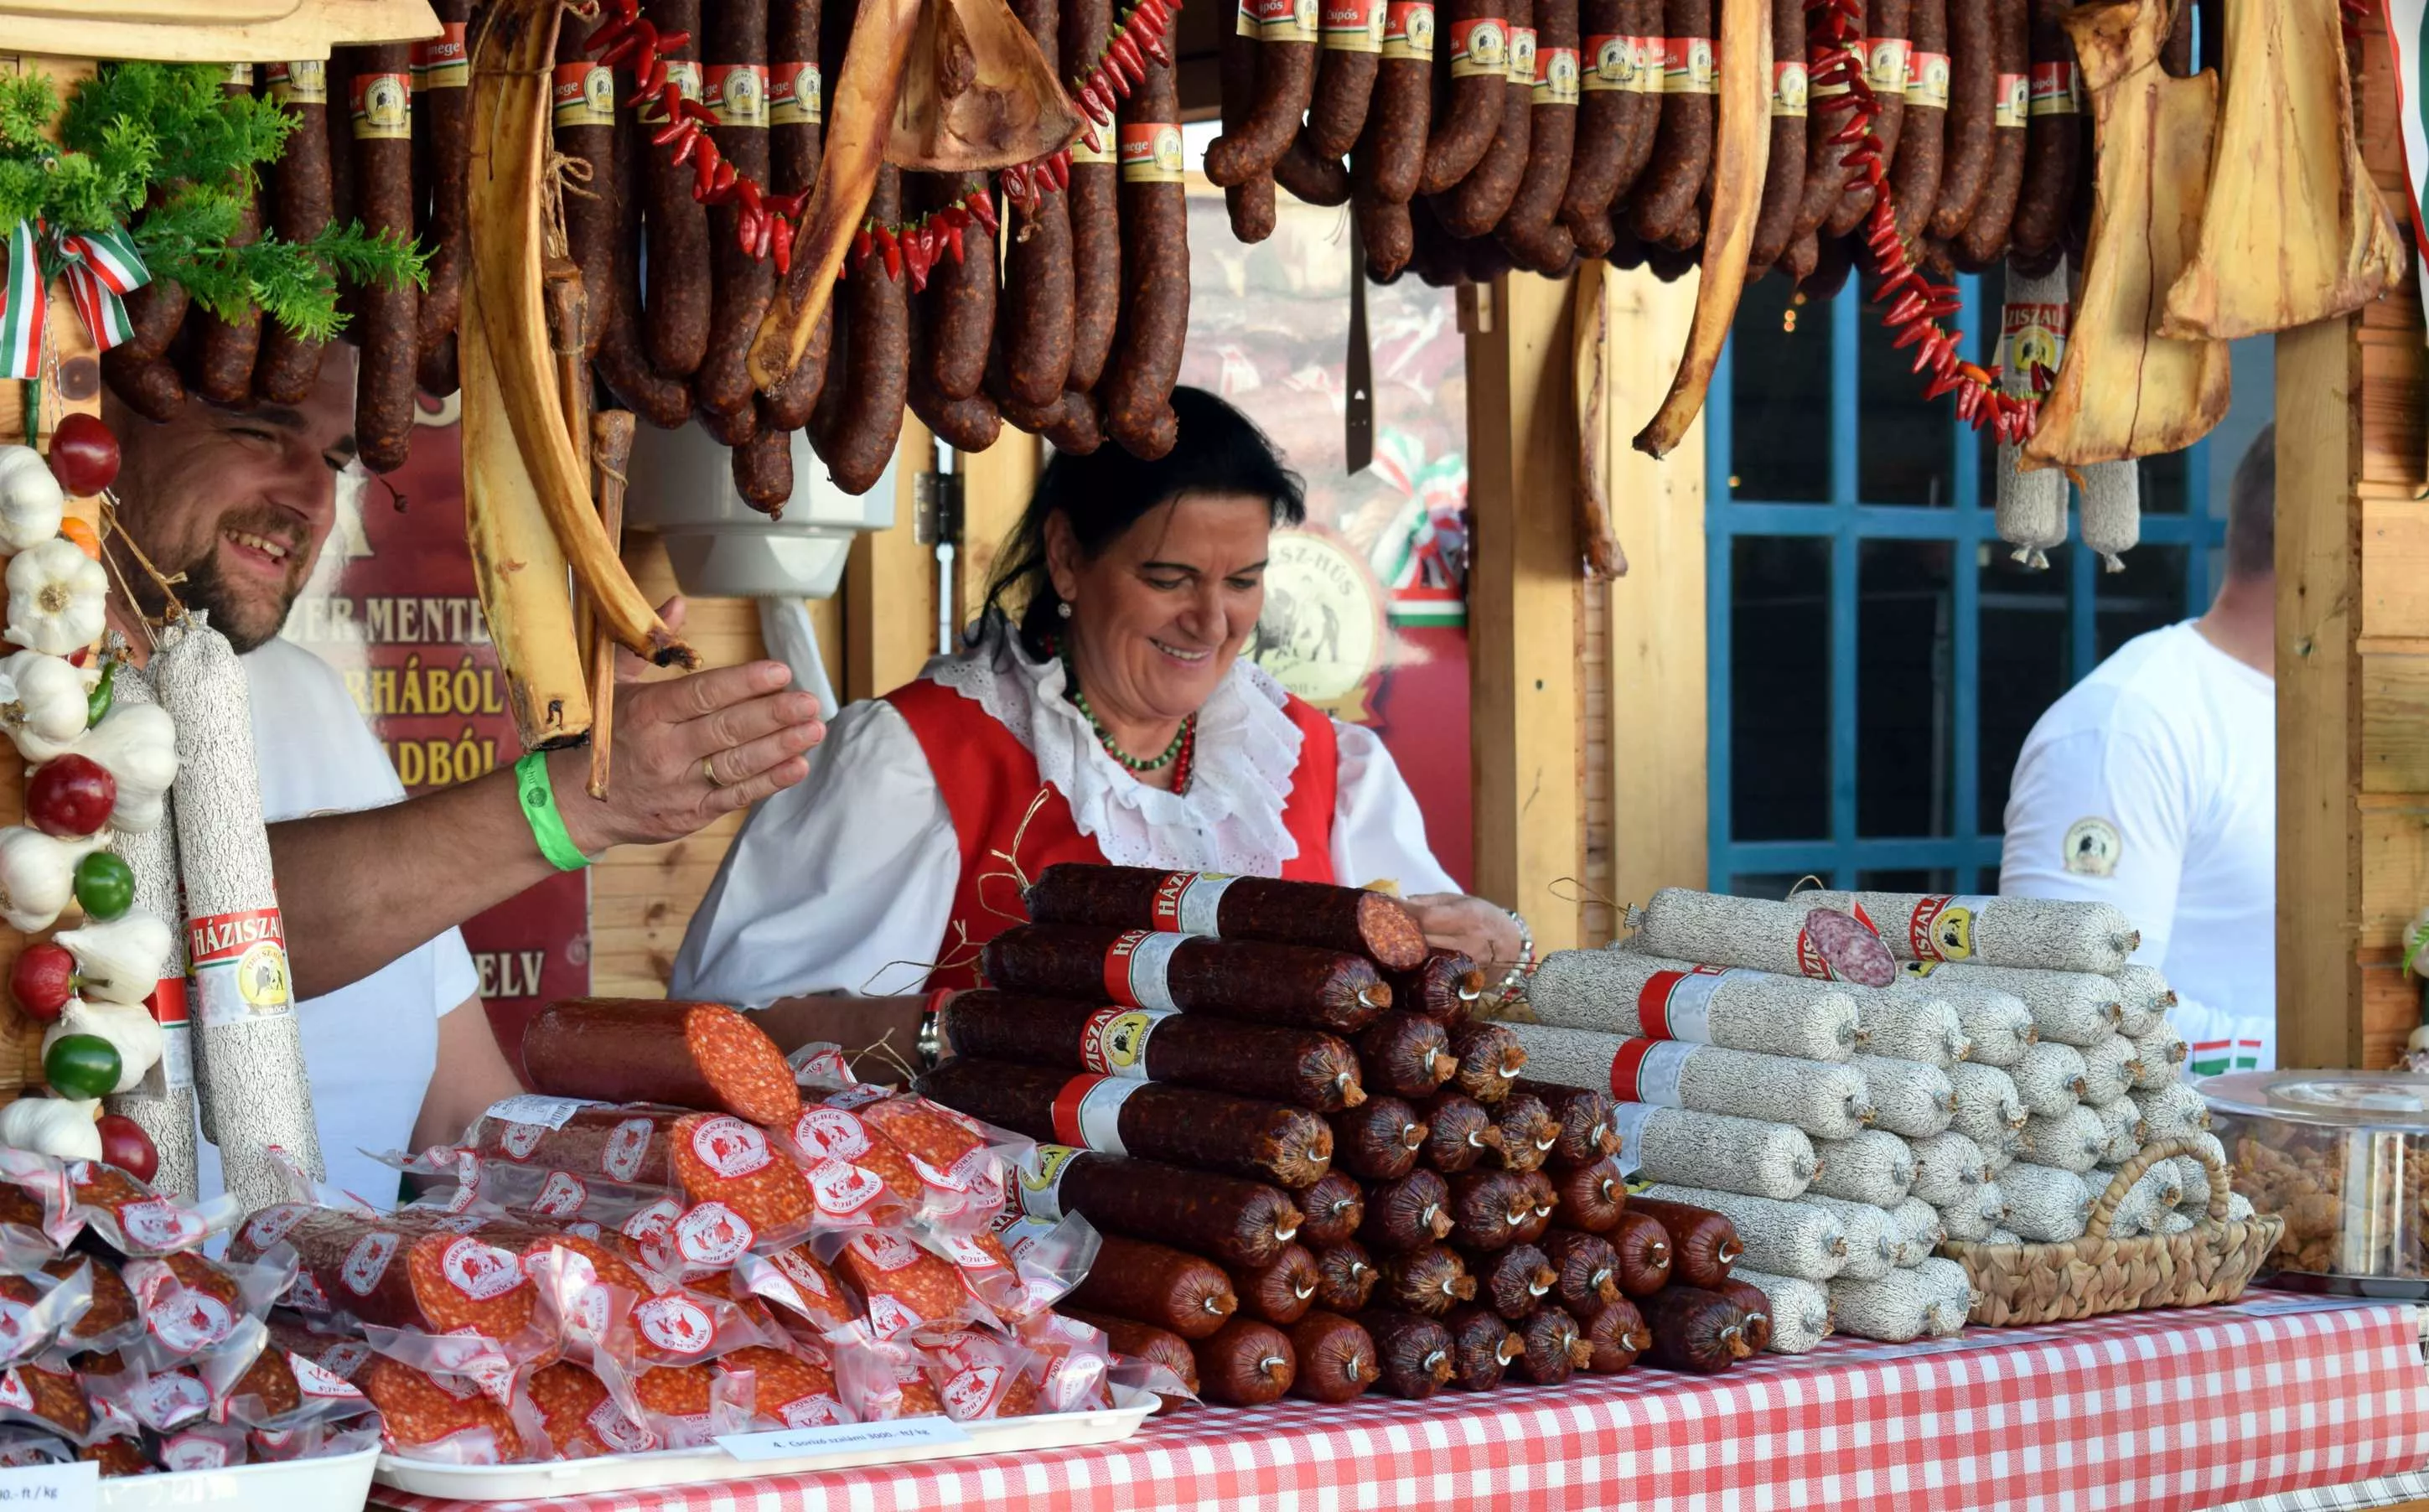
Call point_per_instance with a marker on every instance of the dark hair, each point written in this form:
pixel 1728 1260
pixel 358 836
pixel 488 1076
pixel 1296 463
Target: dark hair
pixel 2252 509
pixel 1107 491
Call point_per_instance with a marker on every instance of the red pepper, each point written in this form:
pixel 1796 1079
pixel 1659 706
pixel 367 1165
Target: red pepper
pixel 864 241
pixel 610 30
pixel 727 177
pixel 692 142
pixel 1124 52
pixel 1151 13
pixel 751 199
pixel 1109 82
pixel 1088 135
pixel 624 47
pixel 746 229
pixel 781 246
pixel 891 246
pixel 671 132
pixel 1939 386
pixel 674 41
pixel 952 238
pixel 1151 44
pixel 1099 113
pixel 701 113
pixel 981 210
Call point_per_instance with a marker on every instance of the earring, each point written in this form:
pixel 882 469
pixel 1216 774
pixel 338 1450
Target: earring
pixel 1064 609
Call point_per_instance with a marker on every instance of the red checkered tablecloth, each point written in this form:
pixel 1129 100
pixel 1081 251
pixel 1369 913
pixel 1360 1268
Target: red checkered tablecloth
pixel 2172 1411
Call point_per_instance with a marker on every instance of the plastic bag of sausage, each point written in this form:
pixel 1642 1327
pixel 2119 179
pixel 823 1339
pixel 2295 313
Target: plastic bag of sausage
pixel 200 1446
pixel 46 1395
pixel 37 1308
pixel 883 1382
pixel 578 1419
pixel 281 1390
pixel 793 1387
pixel 450 1418
pixel 795 1279
pixel 598 1301
pixel 683 1406
pixel 1047 1259
pixel 113 1320
pixel 908 1287
pixel 196 1309
pixel 316 1440
pixel 957 1164
pixel 1072 1363
pixel 135 1220
pixel 38 1211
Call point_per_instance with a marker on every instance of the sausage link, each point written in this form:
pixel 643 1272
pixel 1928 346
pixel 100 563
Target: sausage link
pixel 1531 229
pixel 1285 81
pixel 1210 1130
pixel 1985 237
pixel 858 437
pixel 1080 428
pixel 1756 1304
pixel 1587 1266
pixel 1336 1358
pixel 1703 1244
pixel 1345 76
pixel 1973 114
pixel 1475 204
pixel 1529 1131
pixel 1542 1200
pixel 1488 1208
pixel 225 349
pixel 1093 195
pixel 691 1055
pixel 1490 1058
pixel 761 469
pixel 1887 45
pixel 1616 1334
pixel 1458 1132
pixel 442 110
pixel 2052 138
pixel 958 307
pixel 384 186
pixel 1379 1140
pixel 969 424
pixel 623 360
pixel 340 130
pixel 1280 1291
pixel 1291 985
pixel 1146 361
pixel 1157 1284
pixel 1428 1280
pixel 1140 1340
pixel 1333 1209
pixel 287 366
pixel 583 124
pixel 1471 66
pixel 1483 1346
pixel 1663 201
pixel 1408 1053
pixel 1344 1276
pixel 1556 1347
pixel 1610 105
pixel 1390 152
pixel 676 319
pixel 795 138
pixel 1515 1281
pixel 1783 184
pixel 1036 314
pixel 1584 1116
pixel 788 406
pixel 734 58
pixel 149 385
pixel 1914 176
pixel 1695 1330
pixel 1235 1223
pixel 1445 985
pixel 1249 202
pixel 1247 1364
pixel 1406 1214
pixel 1413 1351
pixel 1303 1067
pixel 1310 178
pixel 1593 1197
pixel 1827 171
pixel 1646 1258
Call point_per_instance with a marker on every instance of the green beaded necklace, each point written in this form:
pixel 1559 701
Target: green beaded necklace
pixel 1105 737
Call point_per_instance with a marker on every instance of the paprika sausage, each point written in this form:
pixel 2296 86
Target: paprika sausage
pixel 1303 1067
pixel 795 111
pixel 1317 914
pixel 1616 1334
pixel 1475 62
pixel 1490 1059
pixel 623 359
pixel 1251 201
pixel 1587 1132
pixel 1973 114
pixel 1280 1291
pixel 1483 1345
pixel 1643 1246
pixel 1611 107
pixel 383 127
pixel 225 348
pixel 148 386
pixel 1096 231
pixel 1334 1207
pixel 1285 81
pixel 1236 1223
pixel 1703 1244
pixel 1292 985
pixel 1556 1347
pixel 1664 202
pixel 1405 1214
pixel 1245 1364
pixel 1984 240
pixel 1157 1284
pixel 676 323
pixel 1445 985
pixel 1529 1131
pixel 958 305
pixel 1829 109
pixel 857 437
pixel 1458 1132
pixel 969 424
pixel 637 1050
pixel 2052 138
pixel 443 119
pixel 1336 1358
pixel 1530 230
pixel 1914 177
pixel 734 88
pixel 1429 1278
pixel 1035 319
pixel 1390 154
pixel 1488 1209
pixel 1352 38
pixel 1413 1351
pixel 1592 1196
pixel 1155 268
pixel 1887 47
pixel 1475 204
pixel 1310 179
pixel 1408 1053
pixel 1586 1270
pixel 1783 183
pixel 1379 1140
pixel 1515 1281
pixel 1344 1276
pixel 581 110
pixel 1210 1130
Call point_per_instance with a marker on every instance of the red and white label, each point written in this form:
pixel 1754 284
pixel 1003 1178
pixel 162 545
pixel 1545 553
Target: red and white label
pixel 16 1326
pixel 13 1392
pixel 1628 1121
pixel 676 1324
pixel 1191 902
pixel 1088 1112
pixel 2056 90
pixel 304 1294
pixel 1353 25
pixel 842 1189
pixel 627 1143
pixel 1941 928
pixel 817 1410
pixel 1409 30
pixel 830 1131
pixel 162 1402
pixel 737 93
pixel 1677 1004
pixel 368 1261
pixel 794 95
pixel 1138 968
pixel 888 1251
pixel 238 961
pixel 1114 1042
pixel 189 1320
pixel 344 1359
pixel 519 1139
pixel 158 1223
pixel 481 1272
pixel 655 1224
pixel 731 1147
pixel 562 1196
pixel 312 1380
pixel 194 1450
pixel 971 1392
pixel 618 1432
pixel 1647 1071
pixel 887 1316
pixel 1687 66
pixel 712 1234
pixel 2015 101
pixel 270 1224
pixel 1480 44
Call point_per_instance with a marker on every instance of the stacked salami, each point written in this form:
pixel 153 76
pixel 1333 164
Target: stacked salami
pixel 1316 1169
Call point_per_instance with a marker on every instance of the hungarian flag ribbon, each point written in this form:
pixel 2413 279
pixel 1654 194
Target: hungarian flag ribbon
pixel 101 268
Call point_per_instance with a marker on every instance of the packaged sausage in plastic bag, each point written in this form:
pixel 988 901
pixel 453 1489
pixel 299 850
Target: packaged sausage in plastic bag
pixel 195 1308
pixel 446 1418
pixel 202 1446
pixel 1049 1259
pixel 38 1213
pixel 798 1281
pixel 883 1382
pixel 317 1440
pixel 37 1308
pixel 909 1287
pixel 158 1401
pixel 46 1393
pixel 1072 1362
pixel 982 1376
pixel 578 1416
pixel 597 1302
pixel 791 1387
pixel 683 1406
pixel 134 1219
pixel 113 1320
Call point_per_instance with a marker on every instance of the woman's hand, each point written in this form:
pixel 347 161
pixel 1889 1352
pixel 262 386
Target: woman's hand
pixel 1478 930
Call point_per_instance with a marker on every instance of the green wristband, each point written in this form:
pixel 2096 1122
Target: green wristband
pixel 538 796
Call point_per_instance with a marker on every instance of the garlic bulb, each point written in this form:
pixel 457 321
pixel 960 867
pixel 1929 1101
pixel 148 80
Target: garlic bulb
pixel 54 1127
pixel 120 961
pixel 56 597
pixel 31 501
pixel 130 1031
pixel 36 878
pixel 43 705
pixel 138 743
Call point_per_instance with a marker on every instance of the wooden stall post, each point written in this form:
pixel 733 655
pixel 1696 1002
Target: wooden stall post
pixel 889 591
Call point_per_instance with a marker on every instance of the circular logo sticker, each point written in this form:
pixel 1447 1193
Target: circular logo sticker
pixel 480 1270
pixel 261 975
pixel 627 1143
pixel 888 1251
pixel 385 103
pixel 519 1139
pixel 366 1262
pixel 840 1187
pixel 830 1131
pixel 676 1325
pixel 270 1224
pixel 155 1223
pixel 562 1197
pixel 712 1234
pixel 729 1147
pixel 2093 848
pixel 192 1319
pixel 1322 633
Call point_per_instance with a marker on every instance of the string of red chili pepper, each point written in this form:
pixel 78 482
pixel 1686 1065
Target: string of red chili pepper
pixel 1915 305
pixel 764 222
pixel 1137 40
pixel 914 246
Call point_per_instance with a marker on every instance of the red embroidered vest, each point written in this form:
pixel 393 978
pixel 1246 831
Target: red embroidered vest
pixel 989 781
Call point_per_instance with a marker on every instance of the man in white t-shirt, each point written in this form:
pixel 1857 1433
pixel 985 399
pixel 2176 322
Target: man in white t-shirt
pixel 2152 785
pixel 372 885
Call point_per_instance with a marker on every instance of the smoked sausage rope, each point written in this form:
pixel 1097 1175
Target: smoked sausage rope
pixel 622 184
pixel 1973 114
pixel 251 1083
pixel 442 69
pixel 1531 231
pixel 1286 47
pixel 959 304
pixel 162 1104
pixel 381 107
pixel 1292 985
pixel 2052 140
pixel 1095 230
pixel 1302 1067
pixel 1390 152
pixel 1115 1115
pixel 1886 49
pixel 1984 240
pixel 1783 184
pixel 1476 203
pixel 639 1050
pixel 1613 105
pixel 1662 208
pixel 1038 309
pixel 1352 34
pixel 1475 63
pixel 734 88
pixel 1249 202
pixel 1160 1285
pixel 225 349
pixel 581 114
pixel 676 313
pixel 1914 174
pixel 1317 914
pixel 873 331
pixel 795 111
pixel 1237 1223
pixel 1137 389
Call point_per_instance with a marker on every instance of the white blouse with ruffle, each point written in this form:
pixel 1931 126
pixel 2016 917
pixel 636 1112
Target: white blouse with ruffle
pixel 845 882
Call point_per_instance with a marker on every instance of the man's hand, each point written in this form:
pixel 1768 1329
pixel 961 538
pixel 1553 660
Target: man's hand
pixel 688 749
pixel 1471 926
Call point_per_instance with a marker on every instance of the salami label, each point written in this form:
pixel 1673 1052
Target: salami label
pixel 1114 1043
pixel 676 1325
pixel 1479 45
pixel 2036 344
pixel 300 83
pixel 1677 1004
pixel 1941 928
pixel 313 1380
pixel 1083 152
pixel 1150 154
pixel 158 1223
pixel 816 1410
pixel 2054 89
pixel 1613 64
pixel 832 1133
pixel 712 1234
pixel 270 1224
pixel 1088 1112
pixel 238 962
pixel 583 95
pixel 562 1196
pixel 1687 66
pixel 731 1147
pixel 517 1141
pixel 368 1261
pixel 1647 1071
pixel 1555 76
pixel 481 1272
pixel 842 1189
pixel 442 62
pixel 627 1143
pixel 162 1402
pixel 796 95
pixel 382 104
pixel 1353 25
pixel 170 1008
pixel 683 73
pixel 1885 63
pixel 1926 79
pixel 617 1432
pixel 538 1112
pixel 1137 965
pixel 1628 1119
pixel 1521 56
pixel 2015 101
pixel 1282 20
pixel 1790 87
pixel 1040 1170
pixel 1409 30
pixel 736 93
pixel 1188 902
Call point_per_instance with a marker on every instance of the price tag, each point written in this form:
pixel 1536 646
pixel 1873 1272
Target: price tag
pixel 548 1112
pixel 789 1443
pixel 73 1487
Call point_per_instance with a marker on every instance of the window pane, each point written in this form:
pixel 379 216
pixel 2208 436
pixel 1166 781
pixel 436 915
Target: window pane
pixel 2148 594
pixel 2164 482
pixel 1780 687
pixel 2026 659
pixel 1779 395
pixel 1905 688
pixel 1935 879
pixel 1904 453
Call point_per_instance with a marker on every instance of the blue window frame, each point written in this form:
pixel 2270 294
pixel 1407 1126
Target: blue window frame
pixel 1875 657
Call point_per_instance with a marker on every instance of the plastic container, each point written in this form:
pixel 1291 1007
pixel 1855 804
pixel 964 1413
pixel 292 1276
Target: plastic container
pixel 561 1478
pixel 2343 1157
pixel 339 1482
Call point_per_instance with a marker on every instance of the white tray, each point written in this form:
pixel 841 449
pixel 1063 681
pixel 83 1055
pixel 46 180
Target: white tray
pixel 328 1484
pixel 691 1467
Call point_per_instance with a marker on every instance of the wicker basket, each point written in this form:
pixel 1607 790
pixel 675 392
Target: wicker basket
pixel 2211 1262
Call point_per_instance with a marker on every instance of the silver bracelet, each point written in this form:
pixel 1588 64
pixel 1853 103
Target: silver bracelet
pixel 1512 985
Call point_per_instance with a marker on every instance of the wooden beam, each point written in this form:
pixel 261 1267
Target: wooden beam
pixel 996 485
pixel 891 586
pixel 1525 605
